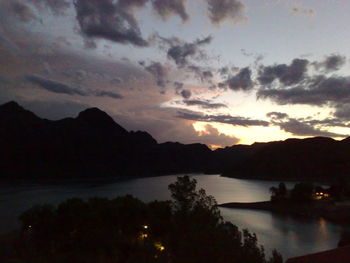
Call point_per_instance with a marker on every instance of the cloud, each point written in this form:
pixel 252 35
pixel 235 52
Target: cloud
pixel 226 10
pixel 186 94
pixel 57 7
pixel 241 81
pixel 303 127
pixel 286 74
pixel 331 63
pixel 110 94
pixel 213 137
pixel 342 111
pixel 163 126
pixel 54 86
pixel 303 11
pixel 233 120
pixel 59 87
pixel 318 90
pixel 53 109
pixel 166 8
pixel 128 4
pixel 277 115
pixel 107 19
pixel 159 72
pixel 178 86
pixel 181 52
pixel 204 104
pixel 201 73
pixel 22 11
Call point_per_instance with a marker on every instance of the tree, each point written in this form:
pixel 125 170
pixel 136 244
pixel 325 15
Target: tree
pixel 279 193
pixel 282 190
pixel 188 229
pixel 302 192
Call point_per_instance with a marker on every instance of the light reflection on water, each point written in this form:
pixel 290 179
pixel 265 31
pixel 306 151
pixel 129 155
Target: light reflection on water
pixel 289 235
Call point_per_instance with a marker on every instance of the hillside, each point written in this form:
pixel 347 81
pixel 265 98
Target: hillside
pixel 93 144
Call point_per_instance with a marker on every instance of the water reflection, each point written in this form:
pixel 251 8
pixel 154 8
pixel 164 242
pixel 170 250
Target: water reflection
pixel 292 236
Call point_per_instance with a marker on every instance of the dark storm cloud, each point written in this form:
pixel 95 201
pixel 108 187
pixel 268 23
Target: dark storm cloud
pixel 181 52
pixel 54 86
pixel 286 74
pixel 186 94
pixel 107 19
pixel 233 120
pixel 159 72
pixel 204 104
pixel 222 10
pixel 22 11
pixel 304 126
pixel 241 81
pixel 166 8
pixel 331 63
pixel 58 87
pixel 316 91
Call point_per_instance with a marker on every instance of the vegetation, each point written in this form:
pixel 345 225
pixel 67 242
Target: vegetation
pixel 188 229
pixel 305 192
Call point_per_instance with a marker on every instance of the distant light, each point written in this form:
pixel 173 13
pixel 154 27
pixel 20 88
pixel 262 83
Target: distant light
pixel 30 226
pixel 143 235
pixel 145 226
pixel 159 246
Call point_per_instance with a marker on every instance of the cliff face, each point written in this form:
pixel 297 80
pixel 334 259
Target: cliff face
pixel 93 144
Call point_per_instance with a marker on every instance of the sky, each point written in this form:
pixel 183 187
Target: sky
pixel 219 72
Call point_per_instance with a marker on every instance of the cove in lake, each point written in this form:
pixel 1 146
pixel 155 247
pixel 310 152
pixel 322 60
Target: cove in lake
pixel 291 236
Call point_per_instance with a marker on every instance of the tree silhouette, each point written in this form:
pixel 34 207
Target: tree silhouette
pixel 188 229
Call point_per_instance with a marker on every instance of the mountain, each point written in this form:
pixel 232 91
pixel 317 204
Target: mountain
pixel 93 145
pixel 318 158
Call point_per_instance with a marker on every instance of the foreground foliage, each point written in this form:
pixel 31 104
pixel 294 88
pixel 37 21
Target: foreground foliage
pixel 188 229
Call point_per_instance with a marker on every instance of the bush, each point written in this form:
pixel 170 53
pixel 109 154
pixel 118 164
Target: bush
pixel 188 229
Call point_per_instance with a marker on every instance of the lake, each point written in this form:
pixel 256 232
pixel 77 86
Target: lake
pixel 291 236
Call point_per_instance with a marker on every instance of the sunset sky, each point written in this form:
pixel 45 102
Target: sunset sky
pixel 219 72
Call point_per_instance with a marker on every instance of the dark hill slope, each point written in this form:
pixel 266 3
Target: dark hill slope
pixel 90 145
pixel 311 158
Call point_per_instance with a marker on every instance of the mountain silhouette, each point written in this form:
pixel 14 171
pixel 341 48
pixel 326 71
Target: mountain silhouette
pixel 94 145
pixel 90 145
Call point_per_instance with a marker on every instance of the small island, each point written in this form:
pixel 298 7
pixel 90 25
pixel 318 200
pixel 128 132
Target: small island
pixel 306 199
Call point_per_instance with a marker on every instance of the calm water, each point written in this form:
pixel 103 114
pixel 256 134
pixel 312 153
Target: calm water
pixel 289 235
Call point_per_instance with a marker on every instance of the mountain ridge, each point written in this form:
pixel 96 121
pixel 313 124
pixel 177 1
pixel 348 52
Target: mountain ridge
pixel 93 144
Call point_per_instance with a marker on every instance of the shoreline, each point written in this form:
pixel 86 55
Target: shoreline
pixel 337 213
